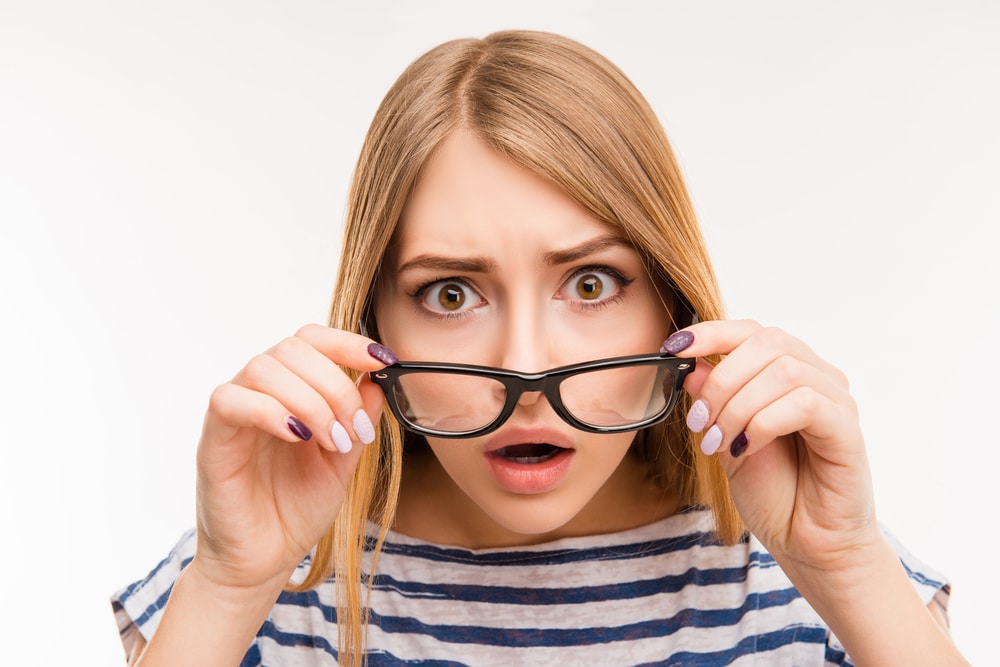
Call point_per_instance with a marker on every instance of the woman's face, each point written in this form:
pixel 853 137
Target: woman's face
pixel 494 266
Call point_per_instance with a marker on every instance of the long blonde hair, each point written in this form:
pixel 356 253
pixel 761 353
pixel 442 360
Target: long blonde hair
pixel 567 114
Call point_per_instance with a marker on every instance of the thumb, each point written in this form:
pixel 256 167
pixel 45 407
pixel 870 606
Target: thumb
pixel 696 378
pixel 371 397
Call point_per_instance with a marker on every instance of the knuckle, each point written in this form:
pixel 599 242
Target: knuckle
pixel 807 402
pixel 773 335
pixel 790 370
pixel 258 368
pixel 217 399
pixel 308 331
pixel 287 347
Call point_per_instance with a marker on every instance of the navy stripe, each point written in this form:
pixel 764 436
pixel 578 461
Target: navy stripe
pixel 159 603
pixel 384 659
pixel 297 639
pixel 552 557
pixel 557 596
pixel 836 657
pixel 751 645
pixel 172 556
pixel 553 637
pixel 921 578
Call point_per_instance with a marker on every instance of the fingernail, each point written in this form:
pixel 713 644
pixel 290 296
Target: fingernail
pixel 363 427
pixel 697 417
pixel 382 353
pixel 710 443
pixel 739 445
pixel 341 440
pixel 300 430
pixel 678 341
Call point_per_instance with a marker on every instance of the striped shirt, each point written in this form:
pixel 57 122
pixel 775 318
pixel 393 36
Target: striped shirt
pixel 664 594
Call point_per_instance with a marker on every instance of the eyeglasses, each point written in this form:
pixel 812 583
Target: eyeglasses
pixel 603 396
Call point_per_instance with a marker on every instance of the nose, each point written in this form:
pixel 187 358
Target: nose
pixel 524 345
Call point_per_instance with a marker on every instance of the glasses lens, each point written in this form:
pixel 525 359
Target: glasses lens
pixel 618 396
pixel 449 402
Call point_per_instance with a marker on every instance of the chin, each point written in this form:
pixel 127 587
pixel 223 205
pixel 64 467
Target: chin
pixel 533 515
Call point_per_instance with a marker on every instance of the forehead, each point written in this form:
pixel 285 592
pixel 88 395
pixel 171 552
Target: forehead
pixel 471 198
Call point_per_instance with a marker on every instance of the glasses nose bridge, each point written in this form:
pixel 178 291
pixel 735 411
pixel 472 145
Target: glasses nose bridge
pixel 540 383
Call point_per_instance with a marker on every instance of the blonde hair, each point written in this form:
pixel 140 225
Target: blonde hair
pixel 567 114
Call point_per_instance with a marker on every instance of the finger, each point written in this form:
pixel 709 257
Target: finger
pixel 347 348
pixel 232 407
pixel 353 425
pixel 727 337
pixel 696 378
pixel 267 375
pixel 372 397
pixel 781 377
pixel 821 421
pixel 756 353
pixel 717 337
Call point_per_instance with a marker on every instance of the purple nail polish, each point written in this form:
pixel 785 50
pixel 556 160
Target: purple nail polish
pixel 678 341
pixel 382 353
pixel 739 445
pixel 298 428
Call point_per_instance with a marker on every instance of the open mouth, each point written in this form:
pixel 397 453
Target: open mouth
pixel 529 453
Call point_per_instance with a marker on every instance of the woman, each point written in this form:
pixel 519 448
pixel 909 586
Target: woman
pixel 517 215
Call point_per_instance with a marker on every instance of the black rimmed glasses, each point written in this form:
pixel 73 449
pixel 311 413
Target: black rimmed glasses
pixel 464 401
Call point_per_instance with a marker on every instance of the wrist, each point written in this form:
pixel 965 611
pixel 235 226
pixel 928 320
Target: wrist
pixel 208 623
pixel 874 610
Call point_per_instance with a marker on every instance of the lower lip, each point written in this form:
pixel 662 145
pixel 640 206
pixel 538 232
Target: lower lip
pixel 530 477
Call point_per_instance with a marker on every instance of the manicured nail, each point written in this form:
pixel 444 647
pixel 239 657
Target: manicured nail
pixel 678 341
pixel 739 445
pixel 300 430
pixel 363 427
pixel 382 353
pixel 341 440
pixel 710 443
pixel 697 417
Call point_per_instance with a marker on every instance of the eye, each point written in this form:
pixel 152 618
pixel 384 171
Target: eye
pixel 594 285
pixel 449 296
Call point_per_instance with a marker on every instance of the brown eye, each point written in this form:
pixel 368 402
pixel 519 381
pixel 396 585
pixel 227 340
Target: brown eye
pixel 589 286
pixel 451 296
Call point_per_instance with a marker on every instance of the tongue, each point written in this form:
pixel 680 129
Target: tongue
pixel 529 453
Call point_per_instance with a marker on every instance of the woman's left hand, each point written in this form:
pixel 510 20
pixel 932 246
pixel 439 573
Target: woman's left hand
pixel 787 435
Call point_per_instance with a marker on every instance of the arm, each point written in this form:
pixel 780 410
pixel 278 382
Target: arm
pixel 785 430
pixel 269 486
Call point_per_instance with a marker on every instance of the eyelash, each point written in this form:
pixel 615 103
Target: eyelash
pixel 418 294
pixel 622 281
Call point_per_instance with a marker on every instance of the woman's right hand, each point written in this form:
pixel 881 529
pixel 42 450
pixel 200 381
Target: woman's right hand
pixel 265 494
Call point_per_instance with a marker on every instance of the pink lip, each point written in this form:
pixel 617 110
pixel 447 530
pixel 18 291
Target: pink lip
pixel 528 478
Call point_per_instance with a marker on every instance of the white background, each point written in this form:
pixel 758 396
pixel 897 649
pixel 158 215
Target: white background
pixel 172 184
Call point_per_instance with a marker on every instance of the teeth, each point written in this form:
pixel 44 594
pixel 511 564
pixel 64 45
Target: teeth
pixel 529 453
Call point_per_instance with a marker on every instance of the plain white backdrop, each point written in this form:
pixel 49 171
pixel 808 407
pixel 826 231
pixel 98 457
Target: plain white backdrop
pixel 172 184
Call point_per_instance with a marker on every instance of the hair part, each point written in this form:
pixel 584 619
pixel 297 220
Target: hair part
pixel 567 114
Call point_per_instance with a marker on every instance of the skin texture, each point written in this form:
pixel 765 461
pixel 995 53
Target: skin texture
pixel 483 274
pixel 499 238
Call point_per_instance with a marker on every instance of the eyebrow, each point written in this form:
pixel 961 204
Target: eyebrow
pixel 586 249
pixel 488 265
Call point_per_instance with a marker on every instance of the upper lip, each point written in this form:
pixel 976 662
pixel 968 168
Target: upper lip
pixel 527 435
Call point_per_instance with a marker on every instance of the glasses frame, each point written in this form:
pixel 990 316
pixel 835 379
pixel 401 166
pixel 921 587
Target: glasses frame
pixel 546 382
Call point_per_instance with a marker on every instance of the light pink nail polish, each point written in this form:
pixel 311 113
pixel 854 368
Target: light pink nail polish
pixel 697 416
pixel 340 438
pixel 363 427
pixel 713 438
